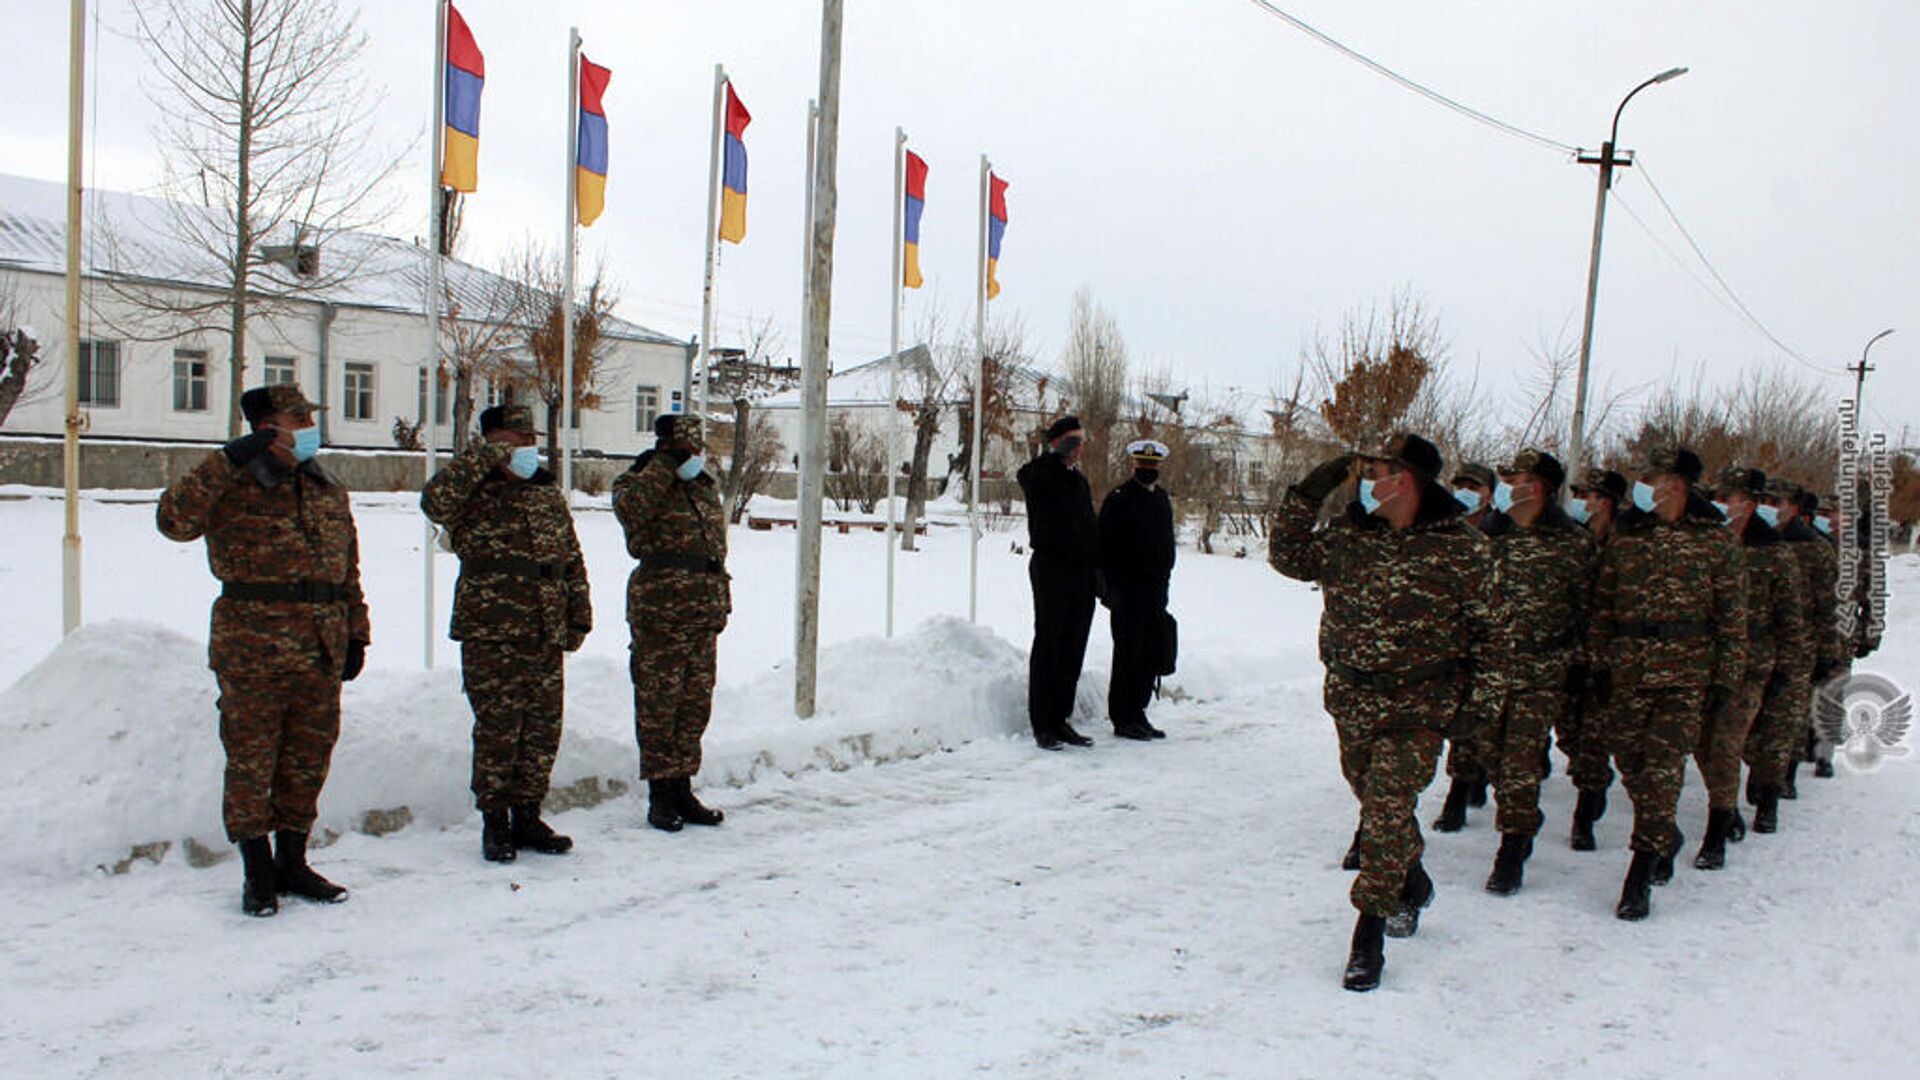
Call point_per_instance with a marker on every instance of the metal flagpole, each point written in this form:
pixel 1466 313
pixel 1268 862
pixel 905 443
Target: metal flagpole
pixel 563 438
pixel 893 372
pixel 979 402
pixel 70 450
pixel 431 366
pixel 704 351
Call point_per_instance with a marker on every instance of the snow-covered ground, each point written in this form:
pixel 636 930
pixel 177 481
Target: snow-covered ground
pixel 904 886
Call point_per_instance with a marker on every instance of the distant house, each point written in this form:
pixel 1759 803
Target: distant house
pixel 356 346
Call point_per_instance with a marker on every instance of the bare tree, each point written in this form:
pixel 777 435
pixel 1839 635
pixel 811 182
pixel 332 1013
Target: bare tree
pixel 743 379
pixel 265 144
pixel 999 372
pixel 1096 372
pixel 856 464
pixel 483 324
pixel 19 350
pixel 543 278
pixel 1370 376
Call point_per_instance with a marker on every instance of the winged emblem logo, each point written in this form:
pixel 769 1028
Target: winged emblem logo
pixel 1867 719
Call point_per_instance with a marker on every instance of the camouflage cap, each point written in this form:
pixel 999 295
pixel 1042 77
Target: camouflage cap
pixel 1409 451
pixel 517 418
pixel 680 429
pixel 1808 501
pixel 1605 481
pixel 1474 471
pixel 1779 487
pixel 1668 458
pixel 1745 481
pixel 1541 464
pixel 263 401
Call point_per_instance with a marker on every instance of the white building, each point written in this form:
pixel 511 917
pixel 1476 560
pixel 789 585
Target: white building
pixel 356 346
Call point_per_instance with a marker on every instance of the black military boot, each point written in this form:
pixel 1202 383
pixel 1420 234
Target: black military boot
pixel 1823 768
pixel 496 836
pixel 1509 865
pixel 692 811
pixel 1414 895
pixel 1663 865
pixel 663 811
pixel 1736 826
pixel 1453 813
pixel 1591 807
pixel 1636 896
pixel 258 895
pixel 1766 816
pixel 1368 956
pixel 1713 847
pixel 530 832
pixel 1753 788
pixel 293 875
pixel 1477 794
pixel 1788 790
pixel 1352 859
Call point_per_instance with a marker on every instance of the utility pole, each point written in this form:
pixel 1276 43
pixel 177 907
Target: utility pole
pixel 814 367
pixel 1860 375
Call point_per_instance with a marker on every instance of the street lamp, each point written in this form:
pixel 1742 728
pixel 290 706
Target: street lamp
pixel 1860 373
pixel 1606 160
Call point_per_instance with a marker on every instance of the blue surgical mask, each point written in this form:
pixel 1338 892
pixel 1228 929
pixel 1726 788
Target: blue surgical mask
pixel 1503 496
pixel 306 443
pixel 1468 498
pixel 1722 507
pixel 524 462
pixel 1578 511
pixel 1368 501
pixel 691 467
pixel 1769 514
pixel 1825 526
pixel 1643 496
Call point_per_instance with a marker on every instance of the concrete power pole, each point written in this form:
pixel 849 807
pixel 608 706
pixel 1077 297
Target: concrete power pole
pixel 814 365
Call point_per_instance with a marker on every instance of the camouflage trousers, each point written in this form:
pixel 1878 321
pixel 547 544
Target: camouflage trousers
pixel 1722 740
pixel 1778 731
pixel 278 731
pixel 1513 745
pixel 1581 736
pixel 517 691
pixel 1652 732
pixel 1389 746
pixel 673 674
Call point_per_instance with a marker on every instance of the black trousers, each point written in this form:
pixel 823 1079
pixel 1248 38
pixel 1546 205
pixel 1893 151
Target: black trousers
pixel 1062 617
pixel 1136 644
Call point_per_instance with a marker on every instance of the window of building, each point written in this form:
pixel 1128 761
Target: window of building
pixel 439 401
pixel 100 373
pixel 189 380
pixel 1256 474
pixel 646 407
pixel 280 369
pixel 499 393
pixel 357 402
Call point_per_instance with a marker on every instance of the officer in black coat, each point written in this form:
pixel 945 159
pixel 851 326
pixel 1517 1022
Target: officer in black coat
pixel 1136 556
pixel 1061 534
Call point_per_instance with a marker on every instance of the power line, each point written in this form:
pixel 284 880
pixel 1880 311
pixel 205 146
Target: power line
pixel 1422 89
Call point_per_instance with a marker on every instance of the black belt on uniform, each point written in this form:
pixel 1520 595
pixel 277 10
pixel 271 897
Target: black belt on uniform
pixel 1393 680
pixel 517 567
pixel 298 592
pixel 1555 643
pixel 1664 631
pixel 668 560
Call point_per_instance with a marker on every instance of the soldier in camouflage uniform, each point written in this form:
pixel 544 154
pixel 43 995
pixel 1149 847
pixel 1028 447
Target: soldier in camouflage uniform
pixel 289 626
pixel 1820 572
pixel 1468 774
pixel 1544 563
pixel 678 600
pixel 1596 501
pixel 1411 652
pixel 1667 637
pixel 520 606
pixel 1854 634
pixel 1776 626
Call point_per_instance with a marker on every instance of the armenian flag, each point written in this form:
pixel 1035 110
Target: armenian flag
pixel 590 160
pixel 733 175
pixel 996 228
pixel 466 72
pixel 916 203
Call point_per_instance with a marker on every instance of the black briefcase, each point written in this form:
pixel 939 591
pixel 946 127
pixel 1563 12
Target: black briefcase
pixel 1167 656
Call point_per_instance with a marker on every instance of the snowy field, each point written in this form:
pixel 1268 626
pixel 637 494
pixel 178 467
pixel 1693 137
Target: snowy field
pixel 904 887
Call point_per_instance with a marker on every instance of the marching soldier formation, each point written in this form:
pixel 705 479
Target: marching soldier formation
pixel 1637 622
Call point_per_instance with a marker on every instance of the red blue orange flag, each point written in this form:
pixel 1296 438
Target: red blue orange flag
pixel 466 71
pixel 733 175
pixel 996 228
pixel 590 157
pixel 916 204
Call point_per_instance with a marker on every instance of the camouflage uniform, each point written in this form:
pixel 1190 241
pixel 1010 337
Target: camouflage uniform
pixel 282 542
pixel 521 603
pixel 1465 763
pixel 1581 734
pixel 1824 650
pixel 1669 622
pixel 678 600
pixel 1410 649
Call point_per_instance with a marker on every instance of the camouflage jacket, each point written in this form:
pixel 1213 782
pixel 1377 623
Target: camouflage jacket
pixel 267 523
pixel 1399 599
pixel 1655 573
pixel 664 515
pixel 1545 574
pixel 1776 602
pixel 1820 567
pixel 491 516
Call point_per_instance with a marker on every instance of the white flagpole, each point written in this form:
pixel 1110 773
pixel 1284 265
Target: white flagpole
pixel 705 349
pixel 564 438
pixel 893 373
pixel 431 365
pixel 70 445
pixel 979 402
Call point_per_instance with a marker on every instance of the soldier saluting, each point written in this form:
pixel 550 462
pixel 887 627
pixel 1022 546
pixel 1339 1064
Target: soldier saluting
pixel 1411 653
pixel 290 624
pixel 520 606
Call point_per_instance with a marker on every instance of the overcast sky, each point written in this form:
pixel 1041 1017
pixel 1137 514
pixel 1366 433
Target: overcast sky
pixel 1225 185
